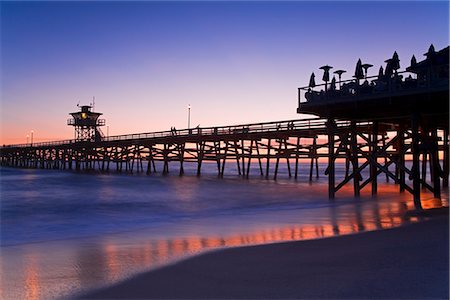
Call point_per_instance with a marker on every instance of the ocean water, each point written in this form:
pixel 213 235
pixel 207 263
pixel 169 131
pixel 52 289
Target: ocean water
pixel 64 233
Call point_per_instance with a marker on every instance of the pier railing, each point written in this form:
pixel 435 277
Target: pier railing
pixel 251 128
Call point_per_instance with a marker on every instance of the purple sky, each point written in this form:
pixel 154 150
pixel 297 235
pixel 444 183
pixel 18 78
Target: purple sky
pixel 234 62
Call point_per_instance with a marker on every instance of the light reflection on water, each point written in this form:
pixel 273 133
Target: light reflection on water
pixel 55 269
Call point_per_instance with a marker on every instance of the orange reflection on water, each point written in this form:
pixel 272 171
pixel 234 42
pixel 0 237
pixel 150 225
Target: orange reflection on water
pixel 119 259
pixel 32 286
pixel 213 242
pixel 162 250
pixel 111 254
pixel 431 203
pixel 194 244
pixel 148 257
pixel 177 248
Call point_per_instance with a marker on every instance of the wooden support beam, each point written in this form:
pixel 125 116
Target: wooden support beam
pixel 313 153
pixel 181 147
pixel 385 158
pixel 373 166
pixel 200 154
pixel 217 150
pixel 401 158
pixel 280 143
pixel 259 158
pixel 268 157
pixel 236 149
pixel 249 158
pixel 331 171
pixel 297 157
pixel 446 157
pixel 424 166
pixel 243 157
pixel 415 163
pixel 434 161
pixel 224 159
pixel 287 155
pixel 354 149
pixel 166 160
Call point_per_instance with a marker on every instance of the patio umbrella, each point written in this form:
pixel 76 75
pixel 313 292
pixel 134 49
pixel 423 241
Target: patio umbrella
pixel 431 50
pixel 380 73
pixel 389 70
pixel 413 61
pixel 312 82
pixel 431 54
pixel 358 70
pixel 395 62
pixel 333 84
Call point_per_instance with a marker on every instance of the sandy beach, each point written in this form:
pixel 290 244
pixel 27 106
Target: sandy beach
pixel 408 262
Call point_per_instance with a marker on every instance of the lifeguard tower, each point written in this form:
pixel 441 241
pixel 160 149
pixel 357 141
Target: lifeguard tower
pixel 87 124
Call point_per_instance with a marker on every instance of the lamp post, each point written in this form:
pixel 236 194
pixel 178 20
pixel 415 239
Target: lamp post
pixel 339 72
pixel 189 116
pixel 28 139
pixel 32 133
pixel 107 131
pixel 326 74
pixel 366 67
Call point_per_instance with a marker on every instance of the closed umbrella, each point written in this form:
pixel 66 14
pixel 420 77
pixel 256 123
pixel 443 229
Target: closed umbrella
pixel 312 82
pixel 431 54
pixel 380 73
pixel 333 84
pixel 431 51
pixel 395 62
pixel 413 61
pixel 359 70
pixel 389 70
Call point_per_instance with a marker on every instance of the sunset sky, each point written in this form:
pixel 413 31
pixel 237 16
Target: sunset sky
pixel 234 62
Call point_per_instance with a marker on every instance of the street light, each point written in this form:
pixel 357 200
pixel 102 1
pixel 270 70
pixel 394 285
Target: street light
pixel 32 132
pixel 189 116
pixel 28 138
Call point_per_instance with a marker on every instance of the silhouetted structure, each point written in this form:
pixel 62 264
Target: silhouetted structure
pixel 87 124
pixel 413 104
pixel 378 124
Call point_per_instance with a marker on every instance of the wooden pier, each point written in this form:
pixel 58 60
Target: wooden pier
pixel 389 125
pixel 413 103
pixel 260 144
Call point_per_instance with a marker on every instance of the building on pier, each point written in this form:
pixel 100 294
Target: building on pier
pixel 87 124
pixel 413 105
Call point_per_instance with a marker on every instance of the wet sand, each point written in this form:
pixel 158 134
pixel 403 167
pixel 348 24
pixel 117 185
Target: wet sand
pixel 408 262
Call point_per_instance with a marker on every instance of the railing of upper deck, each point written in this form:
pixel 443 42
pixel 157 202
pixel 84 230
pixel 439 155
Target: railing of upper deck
pixel 371 86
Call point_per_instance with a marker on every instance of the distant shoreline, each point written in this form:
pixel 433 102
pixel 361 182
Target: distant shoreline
pixel 410 261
